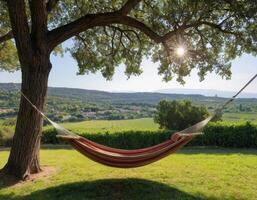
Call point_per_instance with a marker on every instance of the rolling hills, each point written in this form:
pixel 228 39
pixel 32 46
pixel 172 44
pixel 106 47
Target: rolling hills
pixel 124 98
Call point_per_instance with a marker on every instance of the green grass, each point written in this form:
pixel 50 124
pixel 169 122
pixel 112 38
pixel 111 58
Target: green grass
pixel 239 117
pixel 189 174
pixel 111 126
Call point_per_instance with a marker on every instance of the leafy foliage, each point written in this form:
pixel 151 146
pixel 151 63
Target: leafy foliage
pixel 8 53
pixel 210 45
pixel 212 32
pixel 215 35
pixel 103 48
pixel 177 115
pixel 228 135
pixel 6 135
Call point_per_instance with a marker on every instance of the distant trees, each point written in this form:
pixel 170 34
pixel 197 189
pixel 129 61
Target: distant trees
pixel 178 115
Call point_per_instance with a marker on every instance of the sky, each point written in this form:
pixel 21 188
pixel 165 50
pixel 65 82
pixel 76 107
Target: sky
pixel 64 71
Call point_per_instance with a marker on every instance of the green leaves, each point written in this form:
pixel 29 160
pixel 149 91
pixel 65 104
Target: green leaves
pixel 8 53
pixel 8 57
pixel 104 48
pixel 212 32
pixel 175 115
pixel 214 35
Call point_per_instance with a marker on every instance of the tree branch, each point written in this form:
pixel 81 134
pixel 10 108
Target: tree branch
pixel 39 21
pixel 85 44
pixel 217 26
pixel 88 21
pixel 128 6
pixel 6 37
pixel 202 37
pixel 20 29
pixel 126 30
pixel 65 32
pixel 112 43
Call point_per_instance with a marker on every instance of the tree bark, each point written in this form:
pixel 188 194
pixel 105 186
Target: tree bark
pixel 34 57
pixel 24 155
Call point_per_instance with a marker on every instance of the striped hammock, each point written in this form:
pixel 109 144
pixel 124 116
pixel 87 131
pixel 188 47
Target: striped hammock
pixel 129 158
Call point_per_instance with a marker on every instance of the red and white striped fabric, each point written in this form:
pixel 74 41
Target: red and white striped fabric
pixel 128 158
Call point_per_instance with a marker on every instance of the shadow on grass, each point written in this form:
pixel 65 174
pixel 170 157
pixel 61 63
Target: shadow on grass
pixel 6 180
pixel 124 189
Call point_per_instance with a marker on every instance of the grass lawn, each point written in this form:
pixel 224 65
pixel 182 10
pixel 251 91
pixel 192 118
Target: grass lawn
pixel 96 126
pixel 188 174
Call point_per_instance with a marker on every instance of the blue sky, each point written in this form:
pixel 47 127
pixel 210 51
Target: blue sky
pixel 64 71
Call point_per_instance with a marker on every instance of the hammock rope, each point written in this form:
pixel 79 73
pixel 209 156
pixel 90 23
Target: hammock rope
pixel 132 158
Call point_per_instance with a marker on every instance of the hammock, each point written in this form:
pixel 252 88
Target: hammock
pixel 132 158
pixel 128 158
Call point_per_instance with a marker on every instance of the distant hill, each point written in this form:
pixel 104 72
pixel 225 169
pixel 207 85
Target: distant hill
pixel 122 98
pixel 219 93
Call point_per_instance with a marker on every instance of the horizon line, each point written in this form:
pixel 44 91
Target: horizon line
pixel 156 91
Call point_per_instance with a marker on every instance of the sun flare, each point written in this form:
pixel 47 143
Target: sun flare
pixel 180 51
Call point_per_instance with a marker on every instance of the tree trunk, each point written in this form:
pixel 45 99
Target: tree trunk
pixel 24 155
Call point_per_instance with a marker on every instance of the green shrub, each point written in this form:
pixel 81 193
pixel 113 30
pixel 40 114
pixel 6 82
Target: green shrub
pixel 220 134
pixel 130 139
pixel 177 115
pixel 124 139
pixel 9 122
pixel 216 134
pixel 6 135
pixel 49 136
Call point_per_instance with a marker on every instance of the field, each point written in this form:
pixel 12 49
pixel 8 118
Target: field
pixel 188 174
pixel 237 117
pixel 97 126
pixel 111 126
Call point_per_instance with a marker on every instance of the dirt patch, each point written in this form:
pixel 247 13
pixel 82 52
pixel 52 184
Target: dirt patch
pixel 10 181
pixel 46 172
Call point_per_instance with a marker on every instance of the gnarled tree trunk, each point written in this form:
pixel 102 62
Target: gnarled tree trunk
pixel 24 155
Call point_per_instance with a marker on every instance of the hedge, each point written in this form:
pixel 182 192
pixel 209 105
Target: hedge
pixel 125 139
pixel 6 134
pixel 222 134
pixel 228 135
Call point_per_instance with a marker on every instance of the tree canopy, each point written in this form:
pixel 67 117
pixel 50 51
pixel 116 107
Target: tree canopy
pixel 178 115
pixel 108 33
